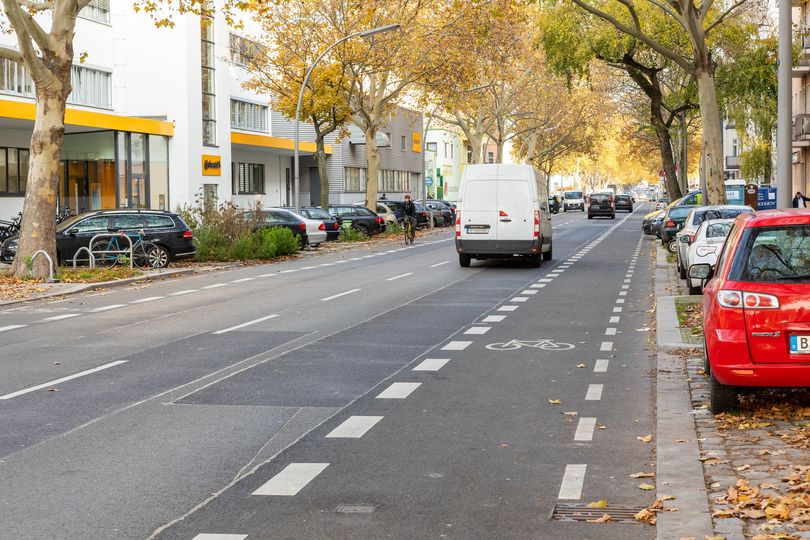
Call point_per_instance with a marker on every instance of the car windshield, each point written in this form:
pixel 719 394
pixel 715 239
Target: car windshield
pixel 316 213
pixel 718 230
pixel 679 212
pixel 363 212
pixel 773 254
pixel 65 225
pixel 573 195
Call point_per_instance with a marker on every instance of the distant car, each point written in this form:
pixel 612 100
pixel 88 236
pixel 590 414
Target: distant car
pixel 279 217
pixel 623 202
pixel 362 219
pixel 387 213
pixel 755 306
pixel 167 230
pixel 601 204
pixel 704 248
pixel 697 216
pixel 442 215
pixel 672 224
pixel 330 222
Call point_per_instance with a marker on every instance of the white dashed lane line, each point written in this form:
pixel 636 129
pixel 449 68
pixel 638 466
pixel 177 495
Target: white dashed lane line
pixel 610 332
pixel 585 429
pixel 243 325
pixel 477 330
pixel 439 264
pixel 107 308
pixel 12 327
pixel 574 477
pixel 215 286
pixel 606 346
pixel 431 364
pixel 206 536
pixel 243 280
pixel 63 379
pixel 615 319
pixel 529 291
pixel 507 308
pixel 493 318
pixel 519 299
pixel 147 299
pixel 339 295
pixel 398 390
pixel 601 366
pixel 292 479
pixel 354 427
pixel 61 317
pixel 594 392
pixel 537 285
pixel 617 309
pixel 181 293
pixel 394 278
pixel 456 345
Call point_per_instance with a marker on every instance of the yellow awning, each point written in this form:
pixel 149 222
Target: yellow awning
pixel 279 143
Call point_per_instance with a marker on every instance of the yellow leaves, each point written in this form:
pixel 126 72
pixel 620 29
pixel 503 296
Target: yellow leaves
pixel 646 487
pixel 570 413
pixel 598 504
pixel 645 516
pixel 581 365
pixel 648 515
pixel 643 475
pixel 604 519
pixel 779 511
pixel 555 402
pixel 645 438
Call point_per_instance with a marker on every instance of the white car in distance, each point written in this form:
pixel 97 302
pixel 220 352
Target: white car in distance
pixel 706 247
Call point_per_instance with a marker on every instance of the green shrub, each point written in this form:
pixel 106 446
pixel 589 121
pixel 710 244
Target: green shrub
pixel 267 247
pixel 286 242
pixel 244 247
pixel 353 235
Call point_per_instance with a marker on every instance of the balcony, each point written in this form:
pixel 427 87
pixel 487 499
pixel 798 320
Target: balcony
pixel 802 42
pixel 733 162
pixel 801 130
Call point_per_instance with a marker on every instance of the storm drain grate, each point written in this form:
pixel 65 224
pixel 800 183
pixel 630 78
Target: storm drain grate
pixel 580 513
pixel 355 508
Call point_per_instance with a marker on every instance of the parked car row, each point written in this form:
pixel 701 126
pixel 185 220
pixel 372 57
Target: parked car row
pixel 756 301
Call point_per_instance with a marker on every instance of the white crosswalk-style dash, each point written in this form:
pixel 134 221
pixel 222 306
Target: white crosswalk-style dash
pixel 457 345
pixel 594 392
pixel 507 308
pixel 573 479
pixel 477 330
pixel 493 318
pixel 431 364
pixel 601 366
pixel 585 429
pixel 398 390
pixel 606 346
pixel 354 427
pixel 292 479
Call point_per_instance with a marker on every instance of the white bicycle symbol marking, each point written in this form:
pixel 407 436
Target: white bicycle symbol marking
pixel 544 344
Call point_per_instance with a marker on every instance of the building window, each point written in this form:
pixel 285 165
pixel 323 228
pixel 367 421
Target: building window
pixel 734 147
pixel 97 10
pixel 248 178
pixel 13 171
pixel 249 116
pixel 469 154
pixel 91 87
pixel 432 147
pixel 244 51
pixel 403 145
pixel 207 65
pixel 356 179
pixel 388 181
pixel 490 157
pixel 451 150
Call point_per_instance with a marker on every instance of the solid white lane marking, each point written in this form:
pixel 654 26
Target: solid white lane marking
pixel 339 295
pixel 181 293
pixel 610 332
pixel 574 477
pixel 606 346
pixel 238 326
pixel 507 308
pixel 601 366
pixel 289 271
pixel 400 276
pixel 585 429
pixel 617 309
pixel 12 327
pixel 431 364
pixel 478 330
pixel 354 427
pixel 271 274
pixel 439 264
pixel 528 291
pixel 107 308
pixel 594 392
pixel 398 390
pixel 61 317
pixel 519 299
pixel 310 267
pixel 147 299
pixel 215 286
pixel 292 479
pixel 537 285
pixel 220 537
pixel 493 318
pixel 456 345
pixel 244 279
pixel 63 379
pixel 615 319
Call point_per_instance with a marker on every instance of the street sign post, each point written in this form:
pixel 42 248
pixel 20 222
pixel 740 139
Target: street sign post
pixel 428 181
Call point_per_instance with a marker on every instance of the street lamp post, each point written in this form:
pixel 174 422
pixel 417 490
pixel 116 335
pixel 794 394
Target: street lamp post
pixel 365 34
pixel 784 134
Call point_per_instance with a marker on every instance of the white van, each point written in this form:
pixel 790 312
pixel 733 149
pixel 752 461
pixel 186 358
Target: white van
pixel 573 200
pixel 502 213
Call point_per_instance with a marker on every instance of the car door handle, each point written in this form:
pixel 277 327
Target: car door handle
pixel 506 220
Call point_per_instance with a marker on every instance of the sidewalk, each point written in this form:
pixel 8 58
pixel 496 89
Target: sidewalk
pixel 754 464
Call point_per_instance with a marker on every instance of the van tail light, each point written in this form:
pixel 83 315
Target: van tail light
pixel 501 213
pixel 747 300
pixel 187 233
pixel 537 223
pixel 322 227
pixel 458 224
pixel 302 227
pixel 669 224
pixel 702 251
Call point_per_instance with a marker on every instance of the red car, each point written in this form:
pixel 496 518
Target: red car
pixel 757 306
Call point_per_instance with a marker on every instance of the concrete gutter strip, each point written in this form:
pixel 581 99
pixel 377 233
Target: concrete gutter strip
pixel 81 287
pixel 679 471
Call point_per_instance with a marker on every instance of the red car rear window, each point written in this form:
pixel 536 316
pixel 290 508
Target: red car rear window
pixel 773 255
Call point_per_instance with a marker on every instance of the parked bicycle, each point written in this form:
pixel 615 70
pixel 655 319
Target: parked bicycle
pixel 10 228
pixel 114 250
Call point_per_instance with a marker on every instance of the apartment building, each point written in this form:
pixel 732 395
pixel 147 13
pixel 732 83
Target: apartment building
pixel 801 97
pixel 158 118
pixel 445 170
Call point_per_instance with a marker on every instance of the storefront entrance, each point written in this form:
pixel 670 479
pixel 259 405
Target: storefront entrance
pixel 87 185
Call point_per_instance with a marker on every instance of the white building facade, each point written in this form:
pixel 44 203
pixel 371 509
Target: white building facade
pixel 446 167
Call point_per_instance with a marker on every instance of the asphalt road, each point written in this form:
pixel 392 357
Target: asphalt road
pixel 369 394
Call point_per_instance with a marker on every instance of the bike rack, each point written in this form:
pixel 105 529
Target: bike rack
pixel 92 258
pixel 51 279
pixel 112 251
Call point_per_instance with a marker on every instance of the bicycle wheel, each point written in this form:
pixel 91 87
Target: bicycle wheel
pixel 509 346
pixel 552 346
pixel 102 252
pixel 140 257
pixel 407 230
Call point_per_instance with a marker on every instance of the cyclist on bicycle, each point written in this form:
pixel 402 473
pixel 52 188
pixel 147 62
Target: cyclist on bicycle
pixel 409 215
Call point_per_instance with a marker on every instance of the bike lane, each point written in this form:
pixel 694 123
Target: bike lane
pixel 471 441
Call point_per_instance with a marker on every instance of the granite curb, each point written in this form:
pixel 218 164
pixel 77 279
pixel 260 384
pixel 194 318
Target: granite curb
pixel 679 471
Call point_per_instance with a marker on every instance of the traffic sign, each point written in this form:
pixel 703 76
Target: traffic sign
pixel 428 181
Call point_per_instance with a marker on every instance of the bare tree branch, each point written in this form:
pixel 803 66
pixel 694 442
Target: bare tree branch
pixel 36 6
pixel 11 54
pixel 723 16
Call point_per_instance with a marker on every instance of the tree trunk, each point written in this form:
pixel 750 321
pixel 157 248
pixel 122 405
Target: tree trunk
pixel 499 151
pixel 38 230
pixel 373 157
pixel 712 137
pixel 476 141
pixel 320 156
pixel 668 160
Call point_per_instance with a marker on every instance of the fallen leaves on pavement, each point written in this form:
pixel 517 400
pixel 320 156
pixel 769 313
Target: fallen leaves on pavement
pixel 555 402
pixel 646 487
pixel 604 519
pixel 598 504
pixel 645 438
pixel 643 475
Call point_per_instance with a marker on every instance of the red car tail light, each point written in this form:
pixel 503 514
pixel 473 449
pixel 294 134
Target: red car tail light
pixel 302 227
pixel 669 224
pixel 380 220
pixel 321 227
pixel 537 223
pixel 760 301
pixel 458 224
pixel 187 233
pixel 730 299
pixel 424 214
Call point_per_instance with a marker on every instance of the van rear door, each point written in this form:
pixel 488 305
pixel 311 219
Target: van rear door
pixel 479 212
pixel 515 213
